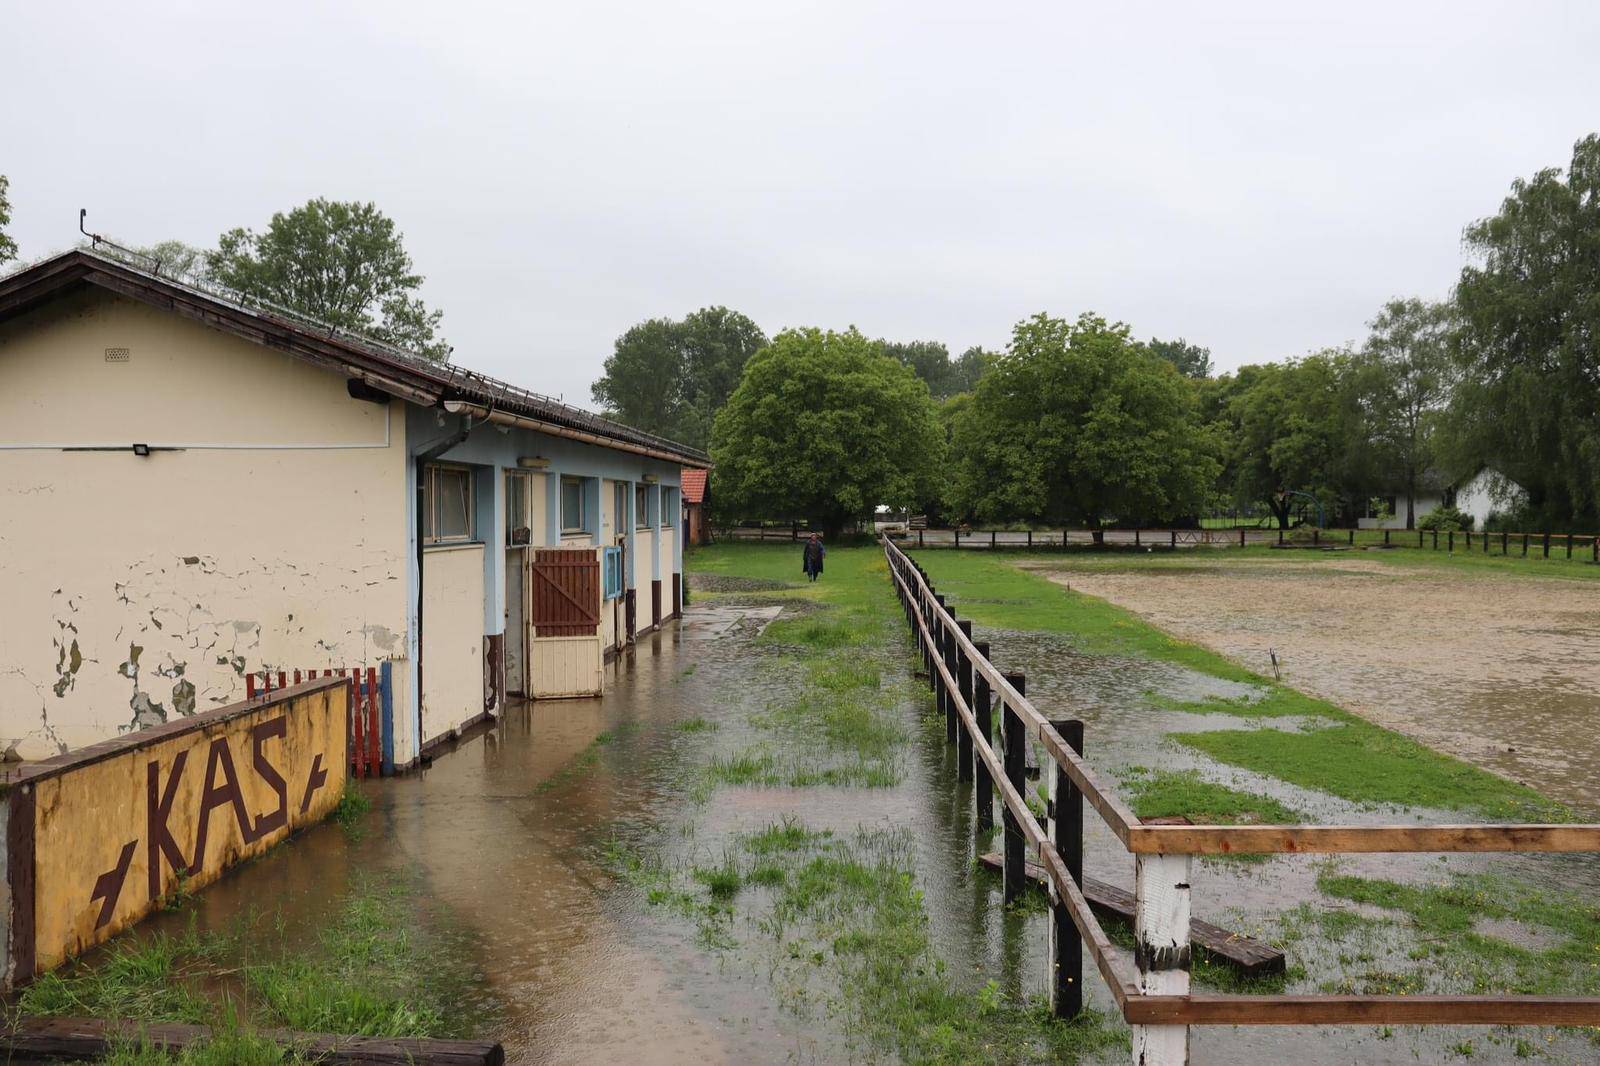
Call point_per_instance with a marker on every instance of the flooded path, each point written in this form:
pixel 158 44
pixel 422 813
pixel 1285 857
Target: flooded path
pixel 507 845
pixel 1502 671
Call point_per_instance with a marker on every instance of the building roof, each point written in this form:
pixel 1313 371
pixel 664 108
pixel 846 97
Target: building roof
pixel 381 366
pixel 694 485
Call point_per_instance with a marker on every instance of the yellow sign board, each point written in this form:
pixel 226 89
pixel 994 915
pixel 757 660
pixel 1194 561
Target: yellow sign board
pixel 106 833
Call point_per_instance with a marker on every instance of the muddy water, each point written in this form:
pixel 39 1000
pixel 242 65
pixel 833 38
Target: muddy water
pixel 503 837
pixel 1501 671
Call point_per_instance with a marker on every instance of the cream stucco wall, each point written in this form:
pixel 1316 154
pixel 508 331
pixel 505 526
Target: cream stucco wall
pixel 134 590
pixel 452 638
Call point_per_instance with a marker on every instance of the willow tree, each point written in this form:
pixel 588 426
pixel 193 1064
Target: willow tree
pixel 1079 424
pixel 1528 347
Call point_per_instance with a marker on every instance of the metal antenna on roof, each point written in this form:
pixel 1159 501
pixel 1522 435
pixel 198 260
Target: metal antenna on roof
pixel 96 241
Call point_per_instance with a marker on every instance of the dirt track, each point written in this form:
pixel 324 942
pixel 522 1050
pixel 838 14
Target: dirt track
pixel 1502 671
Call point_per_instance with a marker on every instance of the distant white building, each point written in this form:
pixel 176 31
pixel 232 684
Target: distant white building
pixel 1484 493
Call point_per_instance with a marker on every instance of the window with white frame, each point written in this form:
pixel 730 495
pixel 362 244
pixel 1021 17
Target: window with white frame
pixel 572 506
pixel 669 507
pixel 447 504
pixel 641 507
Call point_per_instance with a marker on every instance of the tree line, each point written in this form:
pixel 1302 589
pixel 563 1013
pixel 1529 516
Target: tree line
pixel 1077 422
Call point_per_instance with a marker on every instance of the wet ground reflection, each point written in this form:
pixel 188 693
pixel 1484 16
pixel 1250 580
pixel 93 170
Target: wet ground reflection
pixel 505 835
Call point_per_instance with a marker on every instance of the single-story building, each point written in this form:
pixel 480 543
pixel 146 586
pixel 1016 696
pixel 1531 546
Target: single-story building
pixel 695 486
pixel 198 491
pixel 1484 493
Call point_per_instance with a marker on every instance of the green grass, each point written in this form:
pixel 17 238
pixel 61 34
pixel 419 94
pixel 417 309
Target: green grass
pixel 1452 951
pixel 1165 795
pixel 225 1047
pixel 368 974
pixel 353 806
pixel 1362 763
pixel 1352 759
pixel 853 912
pixel 695 725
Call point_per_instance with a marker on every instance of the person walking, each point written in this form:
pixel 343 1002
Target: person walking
pixel 814 554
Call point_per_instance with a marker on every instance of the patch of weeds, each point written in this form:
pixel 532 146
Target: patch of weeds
pixel 786 836
pixel 722 881
pixel 353 806
pixel 695 725
pixel 685 673
pixel 224 1047
pixel 753 766
pixel 768 875
pixel 587 759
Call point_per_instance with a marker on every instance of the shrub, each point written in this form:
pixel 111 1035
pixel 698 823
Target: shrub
pixel 1445 520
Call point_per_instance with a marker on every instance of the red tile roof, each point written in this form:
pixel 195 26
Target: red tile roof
pixel 694 485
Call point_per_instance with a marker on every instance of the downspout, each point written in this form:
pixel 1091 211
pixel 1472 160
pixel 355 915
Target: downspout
pixel 421 459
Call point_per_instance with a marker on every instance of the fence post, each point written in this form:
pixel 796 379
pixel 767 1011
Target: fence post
pixel 1547 545
pixel 1421 534
pixel 1436 539
pixel 985 720
pixel 1174 534
pixel 1569 545
pixel 958 536
pixel 936 651
pixel 1353 538
pixel 919 538
pixel 1316 537
pixel 1524 545
pixel 1280 534
pixel 1505 542
pixel 963 738
pixel 1015 854
pixel 1030 537
pixel 1135 538
pixel 1450 541
pixel 1385 538
pixel 991 538
pixel 952 721
pixel 1161 951
pixel 1066 833
pixel 1241 538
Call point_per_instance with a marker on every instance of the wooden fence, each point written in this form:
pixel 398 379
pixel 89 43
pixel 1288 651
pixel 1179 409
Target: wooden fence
pixel 1154 997
pixel 1568 545
pixel 371 747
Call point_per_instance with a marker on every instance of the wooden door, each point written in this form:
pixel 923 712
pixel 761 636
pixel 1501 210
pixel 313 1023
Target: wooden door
pixel 566 653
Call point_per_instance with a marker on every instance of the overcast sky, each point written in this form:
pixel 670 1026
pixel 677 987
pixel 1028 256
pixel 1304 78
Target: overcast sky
pixel 1255 178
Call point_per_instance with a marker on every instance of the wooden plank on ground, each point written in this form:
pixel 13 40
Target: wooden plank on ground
pixel 88 1039
pixel 1249 956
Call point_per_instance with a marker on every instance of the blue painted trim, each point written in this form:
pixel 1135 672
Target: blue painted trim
pixel 386 691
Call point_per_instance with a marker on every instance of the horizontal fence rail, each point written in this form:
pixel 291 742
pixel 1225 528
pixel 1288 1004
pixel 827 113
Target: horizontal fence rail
pixel 1154 998
pixel 1584 546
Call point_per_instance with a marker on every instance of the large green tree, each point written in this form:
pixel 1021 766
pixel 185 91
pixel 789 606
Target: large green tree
pixel 1191 360
pixel 672 376
pixel 825 427
pixel 1528 347
pixel 1077 423
pixel 1404 379
pixel 1297 426
pixel 931 360
pixel 341 263
pixel 8 247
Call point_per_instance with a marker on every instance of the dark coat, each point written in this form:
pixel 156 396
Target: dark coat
pixel 811 558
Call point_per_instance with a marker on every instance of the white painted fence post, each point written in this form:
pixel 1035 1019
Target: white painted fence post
pixel 1161 951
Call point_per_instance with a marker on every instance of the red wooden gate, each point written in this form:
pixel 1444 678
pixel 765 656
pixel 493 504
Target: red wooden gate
pixel 366 703
pixel 566 592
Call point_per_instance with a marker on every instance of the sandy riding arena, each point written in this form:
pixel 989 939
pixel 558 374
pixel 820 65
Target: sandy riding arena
pixel 1501 669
